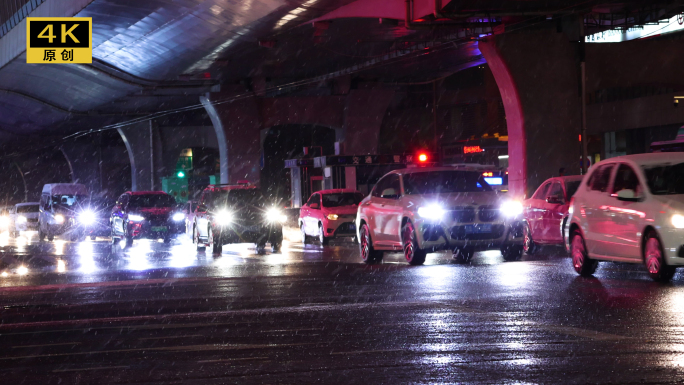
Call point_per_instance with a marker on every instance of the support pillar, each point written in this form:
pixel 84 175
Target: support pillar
pixel 237 126
pixel 537 75
pixel 84 164
pixel 145 154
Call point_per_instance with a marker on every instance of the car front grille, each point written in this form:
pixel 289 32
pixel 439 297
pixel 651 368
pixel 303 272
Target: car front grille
pixel 463 214
pixel 346 228
pixel 488 213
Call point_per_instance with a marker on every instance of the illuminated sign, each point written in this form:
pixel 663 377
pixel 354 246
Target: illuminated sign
pixel 496 181
pixel 59 40
pixel 673 24
pixel 489 173
pixel 472 149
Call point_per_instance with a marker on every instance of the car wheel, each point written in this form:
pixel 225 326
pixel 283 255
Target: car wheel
pixel 50 238
pixel 368 254
pixel 276 246
pixel 529 247
pixel 41 235
pixel 412 252
pixel 321 235
pixel 167 239
pixel 196 239
pixel 463 255
pixel 304 236
pixel 215 244
pixel 129 242
pixel 583 265
pixel 261 248
pixel 654 258
pixel 92 237
pixel 511 252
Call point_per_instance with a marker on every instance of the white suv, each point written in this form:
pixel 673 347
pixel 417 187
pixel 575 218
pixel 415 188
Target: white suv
pixel 630 209
pixel 427 209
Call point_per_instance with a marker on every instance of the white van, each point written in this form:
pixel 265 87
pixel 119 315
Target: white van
pixel 60 207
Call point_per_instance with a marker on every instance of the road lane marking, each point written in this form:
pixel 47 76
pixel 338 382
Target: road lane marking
pixel 568 330
pixel 302 308
pixel 583 333
pixel 40 346
pixel 185 348
pixel 232 359
pixel 85 369
pixel 169 337
pixel 367 352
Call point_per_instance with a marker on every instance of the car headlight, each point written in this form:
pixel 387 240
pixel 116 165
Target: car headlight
pixel 177 217
pixel 86 217
pixel 21 219
pixel 678 221
pixel 275 215
pixel 59 219
pixel 333 217
pixel 511 208
pixel 224 217
pixel 432 212
pixel 135 218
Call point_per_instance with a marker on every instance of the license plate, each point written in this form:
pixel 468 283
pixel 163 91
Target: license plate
pixel 252 228
pixel 159 228
pixel 478 229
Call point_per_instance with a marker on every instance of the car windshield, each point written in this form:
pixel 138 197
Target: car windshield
pixel 251 196
pixel 68 200
pixel 571 187
pixel 28 209
pixel 342 199
pixel 152 200
pixel 665 179
pixel 236 197
pixel 441 182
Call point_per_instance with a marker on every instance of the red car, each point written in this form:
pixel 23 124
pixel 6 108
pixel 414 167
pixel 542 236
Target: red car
pixel 545 212
pixel 329 213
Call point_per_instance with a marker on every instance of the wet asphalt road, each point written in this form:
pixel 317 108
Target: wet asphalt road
pixel 168 314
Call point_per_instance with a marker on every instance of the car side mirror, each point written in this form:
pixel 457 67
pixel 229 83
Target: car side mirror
pixel 555 200
pixel 627 195
pixel 315 206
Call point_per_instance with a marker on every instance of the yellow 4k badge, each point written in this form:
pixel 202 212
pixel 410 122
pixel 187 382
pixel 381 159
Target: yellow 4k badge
pixel 59 40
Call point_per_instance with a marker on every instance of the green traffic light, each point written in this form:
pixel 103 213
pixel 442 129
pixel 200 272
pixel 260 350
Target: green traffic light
pixel 181 174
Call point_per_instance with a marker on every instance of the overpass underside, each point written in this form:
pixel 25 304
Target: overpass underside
pixel 379 76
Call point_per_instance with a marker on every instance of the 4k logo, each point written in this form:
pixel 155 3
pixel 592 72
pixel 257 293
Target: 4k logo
pixel 59 40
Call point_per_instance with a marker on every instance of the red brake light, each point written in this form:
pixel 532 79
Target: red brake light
pixel 422 157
